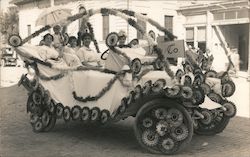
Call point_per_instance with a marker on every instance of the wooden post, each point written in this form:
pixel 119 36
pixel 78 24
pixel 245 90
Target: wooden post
pixel 248 78
pixel 195 36
pixel 52 3
pixel 209 30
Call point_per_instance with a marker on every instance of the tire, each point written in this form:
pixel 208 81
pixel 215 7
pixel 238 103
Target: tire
pixel 51 124
pixel 208 130
pixel 145 111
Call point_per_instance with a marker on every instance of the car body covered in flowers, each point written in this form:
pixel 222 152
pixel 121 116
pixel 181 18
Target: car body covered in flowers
pixel 165 102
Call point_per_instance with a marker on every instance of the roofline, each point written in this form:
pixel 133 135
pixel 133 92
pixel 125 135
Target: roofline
pixel 212 6
pixel 20 2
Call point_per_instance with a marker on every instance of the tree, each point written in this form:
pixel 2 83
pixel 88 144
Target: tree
pixel 9 22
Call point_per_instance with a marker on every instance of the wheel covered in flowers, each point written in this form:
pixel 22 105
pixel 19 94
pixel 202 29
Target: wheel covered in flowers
pixel 42 117
pixel 163 126
pixel 217 122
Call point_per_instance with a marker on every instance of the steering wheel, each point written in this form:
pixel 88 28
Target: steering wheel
pixel 104 54
pixel 111 40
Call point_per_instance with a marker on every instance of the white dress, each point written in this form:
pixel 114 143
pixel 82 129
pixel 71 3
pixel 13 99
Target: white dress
pixel 46 52
pixel 87 55
pixel 70 57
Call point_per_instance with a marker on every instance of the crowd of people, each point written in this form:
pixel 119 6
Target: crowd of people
pixel 74 50
pixel 215 60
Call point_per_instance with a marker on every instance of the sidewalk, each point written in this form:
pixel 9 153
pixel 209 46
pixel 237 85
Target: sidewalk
pixel 241 97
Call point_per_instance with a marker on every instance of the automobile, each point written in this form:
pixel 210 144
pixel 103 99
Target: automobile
pixel 8 58
pixel 165 103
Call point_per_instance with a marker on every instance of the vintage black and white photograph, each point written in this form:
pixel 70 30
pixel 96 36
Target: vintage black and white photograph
pixel 124 78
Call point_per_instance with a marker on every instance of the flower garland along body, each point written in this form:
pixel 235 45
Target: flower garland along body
pixel 36 33
pixel 101 93
pixel 91 31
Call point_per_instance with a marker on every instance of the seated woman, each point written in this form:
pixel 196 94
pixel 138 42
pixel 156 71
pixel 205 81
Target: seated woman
pixel 69 53
pixel 47 50
pixel 87 56
pixel 122 39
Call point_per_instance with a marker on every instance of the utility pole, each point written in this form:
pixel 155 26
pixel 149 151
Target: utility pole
pixel 127 24
pixel 52 3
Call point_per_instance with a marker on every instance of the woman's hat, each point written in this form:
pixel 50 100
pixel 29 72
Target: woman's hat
pixel 84 35
pixel 122 33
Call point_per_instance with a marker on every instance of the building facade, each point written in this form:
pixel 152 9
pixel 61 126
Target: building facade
pixel 163 12
pixel 223 23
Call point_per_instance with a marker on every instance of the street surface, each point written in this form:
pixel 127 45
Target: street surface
pixel 74 139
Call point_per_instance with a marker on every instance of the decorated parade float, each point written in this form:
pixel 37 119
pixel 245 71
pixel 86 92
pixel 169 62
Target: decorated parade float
pixel 166 102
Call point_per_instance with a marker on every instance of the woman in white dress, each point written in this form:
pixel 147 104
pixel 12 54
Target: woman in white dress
pixel 69 54
pixel 47 51
pixel 86 55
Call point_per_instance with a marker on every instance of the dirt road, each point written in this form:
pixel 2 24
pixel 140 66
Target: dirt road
pixel 77 140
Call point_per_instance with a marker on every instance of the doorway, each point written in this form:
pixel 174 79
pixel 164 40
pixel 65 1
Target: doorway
pixel 236 36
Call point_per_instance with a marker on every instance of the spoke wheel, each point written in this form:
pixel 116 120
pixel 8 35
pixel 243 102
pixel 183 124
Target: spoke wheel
pixel 218 124
pixel 152 126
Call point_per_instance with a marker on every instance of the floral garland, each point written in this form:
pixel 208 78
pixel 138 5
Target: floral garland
pixel 143 73
pixel 76 16
pixel 91 31
pixel 36 33
pixel 40 61
pixel 55 77
pixel 101 93
pixel 136 26
pixel 115 50
pixel 151 21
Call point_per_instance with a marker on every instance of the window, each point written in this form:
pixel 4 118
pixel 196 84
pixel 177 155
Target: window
pixel 29 31
pixel 105 26
pixel 189 33
pixel 218 16
pixel 143 25
pixel 230 15
pixel 190 36
pixel 201 38
pixel 201 34
pixel 168 20
pixel 242 13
